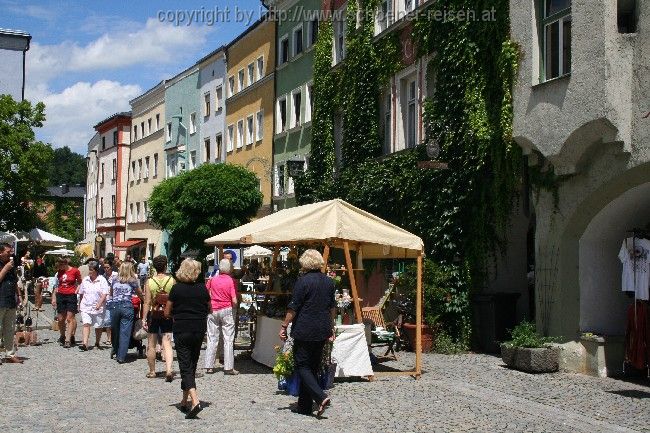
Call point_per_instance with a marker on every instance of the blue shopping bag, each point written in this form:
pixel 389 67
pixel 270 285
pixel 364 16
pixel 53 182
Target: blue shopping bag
pixel 293 384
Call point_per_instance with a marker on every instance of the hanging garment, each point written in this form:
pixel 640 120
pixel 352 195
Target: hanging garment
pixel 636 335
pixel 635 257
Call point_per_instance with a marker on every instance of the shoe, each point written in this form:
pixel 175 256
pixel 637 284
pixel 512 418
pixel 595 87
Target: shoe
pixel 66 345
pixel 300 412
pixel 61 340
pixel 209 371
pixel 112 353
pixel 14 360
pixel 324 405
pixel 83 348
pixel 169 377
pixel 121 362
pixel 73 342
pixel 151 375
pixel 183 408
pixel 232 372
pixel 98 347
pixel 194 411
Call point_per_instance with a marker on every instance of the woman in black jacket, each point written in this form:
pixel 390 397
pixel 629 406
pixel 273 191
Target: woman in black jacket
pixel 312 311
pixel 188 305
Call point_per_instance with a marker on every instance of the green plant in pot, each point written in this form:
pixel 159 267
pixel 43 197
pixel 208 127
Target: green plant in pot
pixel 529 351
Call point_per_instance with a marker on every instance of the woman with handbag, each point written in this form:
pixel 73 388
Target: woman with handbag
pixel 156 294
pixel 122 312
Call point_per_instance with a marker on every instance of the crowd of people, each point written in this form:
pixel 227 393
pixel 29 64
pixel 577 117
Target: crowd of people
pixel 112 296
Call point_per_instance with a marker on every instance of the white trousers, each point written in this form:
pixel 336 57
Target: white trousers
pixel 221 322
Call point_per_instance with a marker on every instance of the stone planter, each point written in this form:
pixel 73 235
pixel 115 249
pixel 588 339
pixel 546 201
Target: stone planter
pixel 537 360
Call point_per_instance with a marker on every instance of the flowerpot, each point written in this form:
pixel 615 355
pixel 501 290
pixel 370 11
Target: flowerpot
pixel 508 355
pixel 293 384
pixel 427 337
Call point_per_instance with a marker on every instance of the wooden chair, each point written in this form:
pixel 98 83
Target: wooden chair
pixel 375 315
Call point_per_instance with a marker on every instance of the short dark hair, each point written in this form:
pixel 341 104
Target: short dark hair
pixel 160 263
pixel 90 260
pixel 4 246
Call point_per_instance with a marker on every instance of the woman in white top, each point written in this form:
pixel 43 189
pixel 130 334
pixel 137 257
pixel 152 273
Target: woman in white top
pixel 93 291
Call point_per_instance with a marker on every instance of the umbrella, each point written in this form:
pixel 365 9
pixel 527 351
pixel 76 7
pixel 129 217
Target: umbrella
pixel 257 251
pixel 61 252
pixel 47 239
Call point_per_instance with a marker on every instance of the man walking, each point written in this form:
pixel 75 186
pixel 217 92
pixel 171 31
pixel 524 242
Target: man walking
pixel 9 293
pixel 143 271
pixel 65 301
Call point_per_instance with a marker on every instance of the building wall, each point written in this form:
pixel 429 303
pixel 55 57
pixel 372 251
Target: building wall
pixel 256 97
pixel 93 167
pixel 211 77
pixel 588 126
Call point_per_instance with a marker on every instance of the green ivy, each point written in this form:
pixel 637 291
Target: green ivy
pixel 461 213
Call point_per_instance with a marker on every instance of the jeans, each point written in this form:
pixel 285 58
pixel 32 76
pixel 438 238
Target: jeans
pixel 121 326
pixel 8 327
pixel 188 349
pixel 218 322
pixel 307 358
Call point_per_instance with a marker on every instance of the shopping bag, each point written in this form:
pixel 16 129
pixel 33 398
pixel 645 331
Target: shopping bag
pixel 293 384
pixel 139 333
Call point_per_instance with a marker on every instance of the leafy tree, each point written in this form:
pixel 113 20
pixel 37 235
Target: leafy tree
pixel 66 219
pixel 202 202
pixel 21 161
pixel 67 167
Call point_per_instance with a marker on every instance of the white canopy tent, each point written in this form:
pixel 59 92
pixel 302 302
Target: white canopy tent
pixel 257 251
pixel 47 239
pixel 60 252
pixel 11 238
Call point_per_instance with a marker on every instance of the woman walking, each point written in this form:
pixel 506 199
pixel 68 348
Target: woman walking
pixel 188 305
pixel 93 290
pixel 122 313
pixel 156 295
pixel 312 311
pixel 220 321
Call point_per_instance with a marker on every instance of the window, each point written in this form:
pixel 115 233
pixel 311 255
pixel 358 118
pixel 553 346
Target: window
pixel 627 16
pixel 157 122
pixel 249 130
pixel 171 167
pixel 410 5
pixel 192 159
pixel 411 115
pixel 313 32
pixel 556 48
pixel 231 138
pixel 133 177
pixel 309 106
pixel 297 40
pixel 148 126
pixel 206 105
pixel 146 167
pixel 251 74
pixel 135 132
pixel 103 143
pixel 193 123
pixel 279 180
pixel 284 50
pixel 146 211
pixel 339 40
pixel 113 205
pixel 240 76
pixel 218 98
pixel 101 207
pixel 155 165
pixel 384 15
pixel 260 125
pixel 102 173
pixel 231 86
pixel 137 212
pixel 282 115
pixel 240 134
pixel 218 147
pixel 387 122
pixel 114 138
pixel 114 174
pixel 139 168
pixel 260 67
pixel 130 213
pixel 141 129
pixel 168 134
pixel 206 149
pixel 297 107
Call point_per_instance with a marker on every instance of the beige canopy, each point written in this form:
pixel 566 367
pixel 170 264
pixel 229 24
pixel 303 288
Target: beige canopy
pixel 328 220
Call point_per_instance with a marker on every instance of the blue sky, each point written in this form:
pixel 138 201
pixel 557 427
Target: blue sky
pixel 89 58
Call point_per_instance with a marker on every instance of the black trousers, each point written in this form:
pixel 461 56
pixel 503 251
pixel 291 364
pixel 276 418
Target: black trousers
pixel 188 348
pixel 307 358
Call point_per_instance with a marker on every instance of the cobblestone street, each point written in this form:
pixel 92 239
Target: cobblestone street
pixel 66 390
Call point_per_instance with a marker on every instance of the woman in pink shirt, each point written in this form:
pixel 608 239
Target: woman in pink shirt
pixel 223 299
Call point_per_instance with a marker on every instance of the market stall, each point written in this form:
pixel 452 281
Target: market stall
pixel 331 224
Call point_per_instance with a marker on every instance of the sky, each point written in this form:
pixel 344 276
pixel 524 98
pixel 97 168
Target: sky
pixel 88 59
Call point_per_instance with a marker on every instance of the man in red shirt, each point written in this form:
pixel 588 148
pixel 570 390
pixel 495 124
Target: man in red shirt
pixel 65 301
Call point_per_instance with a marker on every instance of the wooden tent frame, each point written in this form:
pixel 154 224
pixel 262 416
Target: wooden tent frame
pixel 345 245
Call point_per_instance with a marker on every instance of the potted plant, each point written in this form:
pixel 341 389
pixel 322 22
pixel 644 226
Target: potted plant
pixel 530 352
pixel 283 369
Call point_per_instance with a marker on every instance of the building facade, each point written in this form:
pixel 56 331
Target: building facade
pixel 90 205
pixel 293 88
pixel 581 116
pixel 212 72
pixel 249 105
pixel 113 162
pixel 146 170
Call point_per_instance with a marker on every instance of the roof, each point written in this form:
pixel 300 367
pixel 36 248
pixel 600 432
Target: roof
pixel 250 28
pixel 73 191
pixel 108 119
pixel 11 32
pixel 207 56
pixel 15 40
pixel 333 221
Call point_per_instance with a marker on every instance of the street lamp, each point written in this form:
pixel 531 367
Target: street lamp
pixel 15 40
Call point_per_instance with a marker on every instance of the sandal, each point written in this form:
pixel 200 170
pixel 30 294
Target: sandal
pixel 194 411
pixel 209 371
pixel 324 405
pixel 151 375
pixel 169 377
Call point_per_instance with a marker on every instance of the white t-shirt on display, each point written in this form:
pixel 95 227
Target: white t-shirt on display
pixel 635 257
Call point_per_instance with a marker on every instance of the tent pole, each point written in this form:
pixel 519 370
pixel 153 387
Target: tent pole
pixel 353 284
pixel 326 256
pixel 418 319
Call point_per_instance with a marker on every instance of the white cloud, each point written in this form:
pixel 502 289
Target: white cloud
pixel 72 113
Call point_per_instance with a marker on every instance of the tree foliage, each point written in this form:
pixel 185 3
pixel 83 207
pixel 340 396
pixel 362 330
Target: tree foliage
pixel 65 219
pixel 67 167
pixel 203 202
pixel 22 159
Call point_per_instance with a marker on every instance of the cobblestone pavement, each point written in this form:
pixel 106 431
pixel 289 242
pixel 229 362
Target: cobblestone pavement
pixel 63 390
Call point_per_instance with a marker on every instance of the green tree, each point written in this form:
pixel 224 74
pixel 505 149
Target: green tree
pixel 66 219
pixel 67 167
pixel 21 161
pixel 202 202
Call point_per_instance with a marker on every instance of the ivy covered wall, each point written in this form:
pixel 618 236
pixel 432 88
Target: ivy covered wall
pixel 461 213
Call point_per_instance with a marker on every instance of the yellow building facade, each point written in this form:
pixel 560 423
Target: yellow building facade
pixel 250 92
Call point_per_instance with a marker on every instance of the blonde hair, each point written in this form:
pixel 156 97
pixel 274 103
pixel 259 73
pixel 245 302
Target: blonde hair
pixel 189 271
pixel 311 260
pixel 126 273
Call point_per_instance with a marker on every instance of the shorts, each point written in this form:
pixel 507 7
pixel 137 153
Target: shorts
pixel 96 320
pixel 107 317
pixel 160 326
pixel 66 303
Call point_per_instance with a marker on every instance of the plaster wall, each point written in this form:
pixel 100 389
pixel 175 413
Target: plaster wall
pixel 212 74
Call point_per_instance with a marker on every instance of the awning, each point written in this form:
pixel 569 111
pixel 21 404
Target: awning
pixel 129 243
pixel 46 238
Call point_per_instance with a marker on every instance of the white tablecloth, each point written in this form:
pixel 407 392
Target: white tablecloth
pixel 266 338
pixel 350 351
